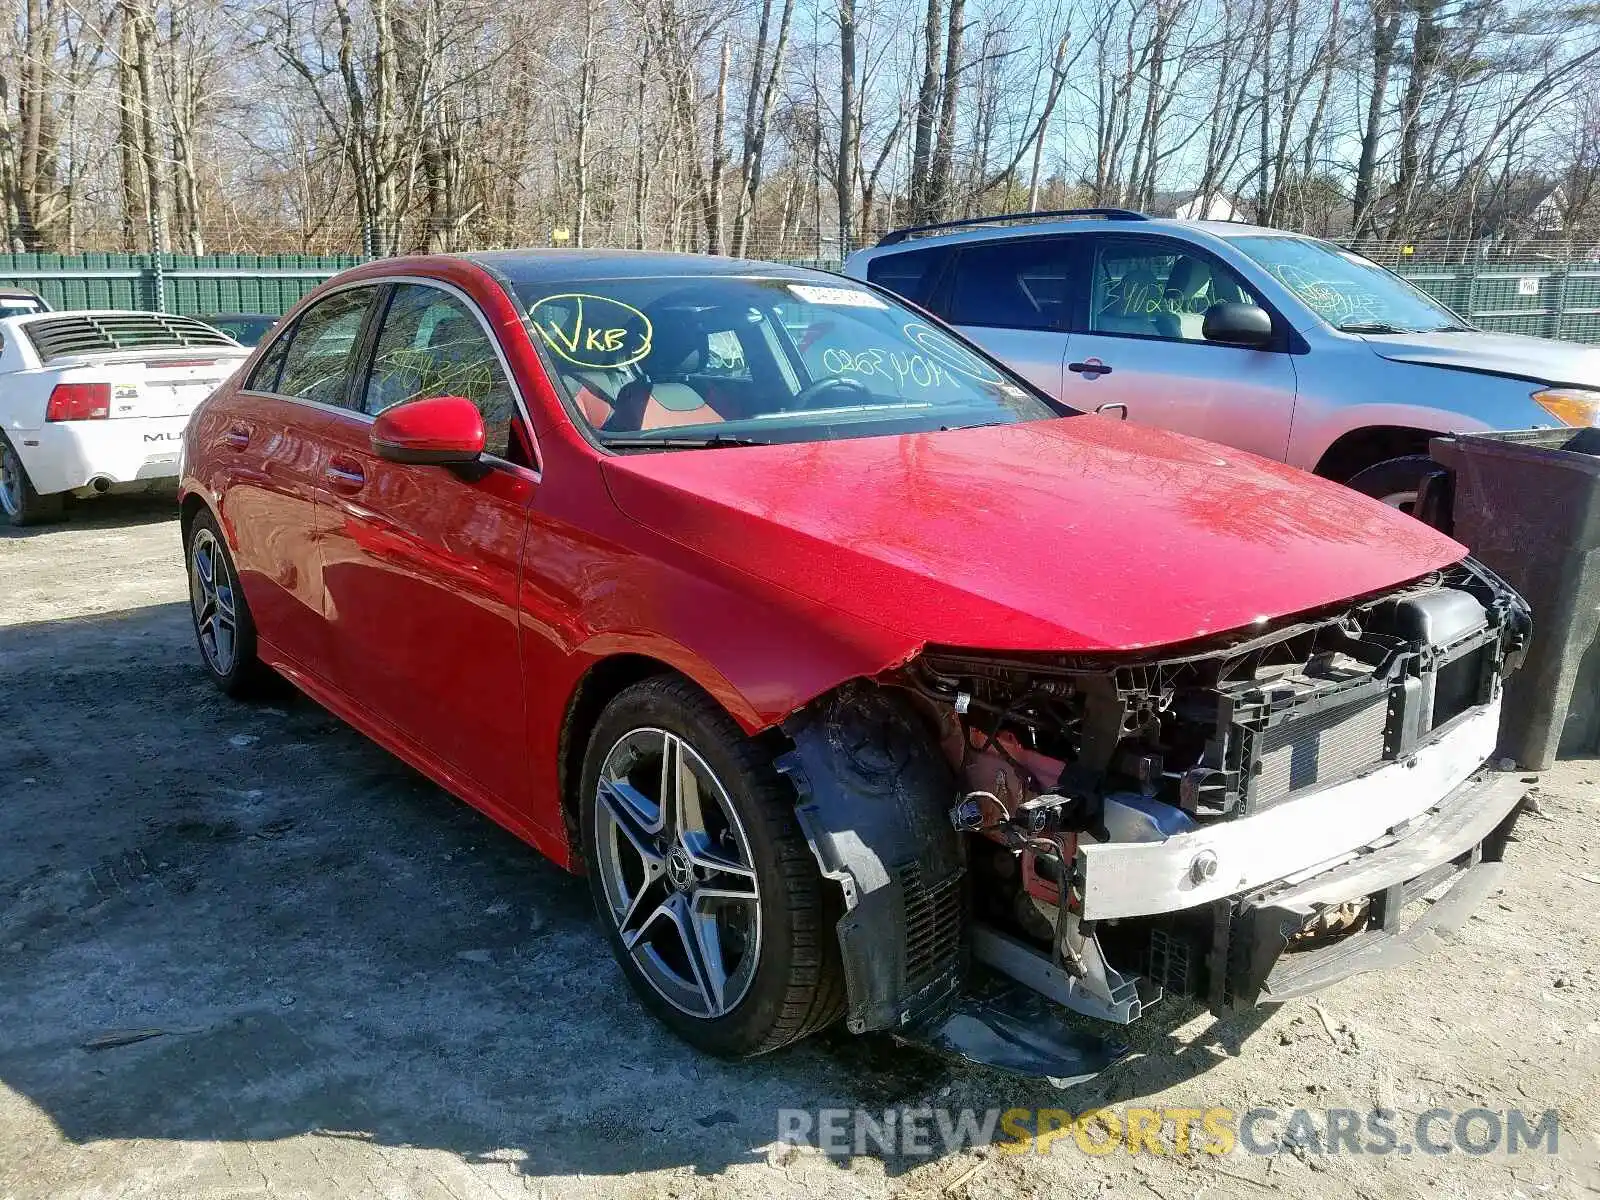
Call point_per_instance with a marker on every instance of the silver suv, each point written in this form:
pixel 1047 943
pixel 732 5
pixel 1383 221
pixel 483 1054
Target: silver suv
pixel 1274 342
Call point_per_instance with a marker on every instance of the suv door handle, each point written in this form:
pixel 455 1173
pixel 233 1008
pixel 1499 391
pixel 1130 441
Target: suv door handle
pixel 236 437
pixel 1089 368
pixel 345 475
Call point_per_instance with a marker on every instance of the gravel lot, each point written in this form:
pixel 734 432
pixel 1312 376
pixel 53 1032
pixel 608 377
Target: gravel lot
pixel 365 989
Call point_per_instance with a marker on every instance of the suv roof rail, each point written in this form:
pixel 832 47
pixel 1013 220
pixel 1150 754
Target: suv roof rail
pixel 895 236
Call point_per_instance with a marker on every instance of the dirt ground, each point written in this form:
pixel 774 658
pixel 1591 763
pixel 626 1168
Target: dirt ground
pixel 362 988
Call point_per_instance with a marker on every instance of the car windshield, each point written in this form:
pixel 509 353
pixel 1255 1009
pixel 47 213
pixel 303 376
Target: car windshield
pixel 1347 291
pixel 683 362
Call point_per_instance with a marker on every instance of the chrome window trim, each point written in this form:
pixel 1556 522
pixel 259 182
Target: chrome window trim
pixel 537 470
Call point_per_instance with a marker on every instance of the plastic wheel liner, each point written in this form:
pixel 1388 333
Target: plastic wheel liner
pixel 873 796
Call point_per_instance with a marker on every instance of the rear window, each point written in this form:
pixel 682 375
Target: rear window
pixel 911 273
pixel 20 305
pixel 58 337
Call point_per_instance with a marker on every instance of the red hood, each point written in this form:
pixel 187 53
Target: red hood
pixel 1077 534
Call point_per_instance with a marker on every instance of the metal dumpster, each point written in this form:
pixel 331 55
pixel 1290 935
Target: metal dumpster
pixel 1527 503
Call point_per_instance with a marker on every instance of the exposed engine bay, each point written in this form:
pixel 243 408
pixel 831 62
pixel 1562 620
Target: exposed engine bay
pixel 1181 822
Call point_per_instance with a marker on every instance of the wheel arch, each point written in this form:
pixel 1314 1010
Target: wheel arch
pixel 601 682
pixel 190 505
pixel 1359 448
pixel 758 662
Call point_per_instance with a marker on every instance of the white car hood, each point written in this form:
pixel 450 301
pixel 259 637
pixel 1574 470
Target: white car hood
pixel 1539 359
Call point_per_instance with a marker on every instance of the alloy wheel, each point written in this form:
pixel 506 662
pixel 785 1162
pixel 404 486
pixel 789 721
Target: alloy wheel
pixel 11 481
pixel 211 592
pixel 677 872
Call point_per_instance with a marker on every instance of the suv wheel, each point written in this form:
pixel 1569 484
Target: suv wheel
pixel 711 900
pixel 1395 480
pixel 19 503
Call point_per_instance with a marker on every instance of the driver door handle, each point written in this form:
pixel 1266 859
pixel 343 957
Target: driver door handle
pixel 345 475
pixel 1090 367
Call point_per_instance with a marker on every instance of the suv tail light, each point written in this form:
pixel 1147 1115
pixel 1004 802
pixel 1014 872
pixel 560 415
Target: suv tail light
pixel 79 402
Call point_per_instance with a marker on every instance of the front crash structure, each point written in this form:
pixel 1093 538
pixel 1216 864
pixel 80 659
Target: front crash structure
pixel 1240 820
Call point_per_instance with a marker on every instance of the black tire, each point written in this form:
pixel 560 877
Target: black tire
pixel 20 504
pixel 243 675
pixel 1394 480
pixel 797 986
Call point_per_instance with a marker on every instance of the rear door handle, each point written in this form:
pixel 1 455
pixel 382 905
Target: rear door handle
pixel 1089 368
pixel 344 475
pixel 237 436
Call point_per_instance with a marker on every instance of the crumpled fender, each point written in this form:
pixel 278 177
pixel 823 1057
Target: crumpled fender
pixel 874 791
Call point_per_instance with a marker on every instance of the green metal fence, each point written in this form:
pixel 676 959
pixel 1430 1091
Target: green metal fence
pixel 1543 298
pixel 212 283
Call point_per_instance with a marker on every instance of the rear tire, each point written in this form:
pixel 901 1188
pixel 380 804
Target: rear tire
pixel 19 504
pixel 223 627
pixel 1394 480
pixel 765 932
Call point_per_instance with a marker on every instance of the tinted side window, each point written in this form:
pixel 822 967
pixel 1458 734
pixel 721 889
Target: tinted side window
pixel 432 344
pixel 911 273
pixel 321 347
pixel 1018 284
pixel 1157 290
pixel 265 376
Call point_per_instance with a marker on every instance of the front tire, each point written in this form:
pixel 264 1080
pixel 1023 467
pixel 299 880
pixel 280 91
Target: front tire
pixel 1394 480
pixel 223 627
pixel 711 900
pixel 19 504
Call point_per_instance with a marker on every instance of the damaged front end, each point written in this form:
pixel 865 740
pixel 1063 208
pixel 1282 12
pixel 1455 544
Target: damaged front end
pixel 1239 821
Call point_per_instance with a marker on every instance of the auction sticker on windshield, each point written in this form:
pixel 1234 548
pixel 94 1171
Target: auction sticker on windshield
pixel 841 297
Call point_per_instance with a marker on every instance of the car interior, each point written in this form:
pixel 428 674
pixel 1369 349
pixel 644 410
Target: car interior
pixel 699 370
pixel 1160 297
pixel 656 392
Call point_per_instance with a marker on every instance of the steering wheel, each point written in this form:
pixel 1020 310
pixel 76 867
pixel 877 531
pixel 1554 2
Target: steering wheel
pixel 818 387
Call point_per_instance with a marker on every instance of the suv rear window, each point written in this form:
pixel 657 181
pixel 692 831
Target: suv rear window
pixel 911 274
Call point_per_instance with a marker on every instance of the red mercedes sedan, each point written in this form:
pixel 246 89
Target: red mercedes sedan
pixel 852 670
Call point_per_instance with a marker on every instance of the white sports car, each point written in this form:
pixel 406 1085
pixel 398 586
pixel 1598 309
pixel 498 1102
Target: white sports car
pixel 93 402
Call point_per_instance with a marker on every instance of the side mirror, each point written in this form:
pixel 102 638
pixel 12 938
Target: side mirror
pixel 1238 325
pixel 443 430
